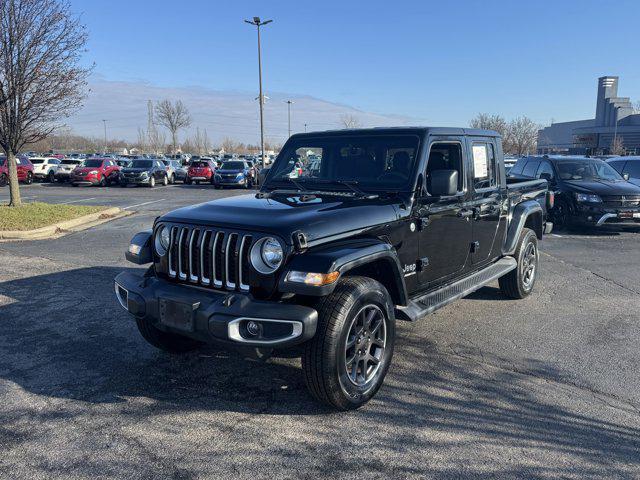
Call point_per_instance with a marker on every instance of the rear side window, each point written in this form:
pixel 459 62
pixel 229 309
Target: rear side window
pixel 632 168
pixel 518 167
pixel 530 168
pixel 484 165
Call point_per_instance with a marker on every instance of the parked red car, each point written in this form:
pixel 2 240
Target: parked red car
pixel 96 171
pixel 200 171
pixel 25 170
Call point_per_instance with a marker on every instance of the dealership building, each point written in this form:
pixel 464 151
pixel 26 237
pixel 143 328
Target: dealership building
pixel 615 117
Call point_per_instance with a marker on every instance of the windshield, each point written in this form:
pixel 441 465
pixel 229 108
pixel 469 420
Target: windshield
pixel 141 164
pixel 93 163
pixel 232 166
pixel 70 162
pixel 587 170
pixel 36 161
pixel 374 162
pixel 199 164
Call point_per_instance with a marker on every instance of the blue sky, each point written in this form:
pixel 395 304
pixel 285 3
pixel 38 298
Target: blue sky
pixel 431 61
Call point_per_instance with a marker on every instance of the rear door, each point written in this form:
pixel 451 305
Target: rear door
pixel 444 222
pixel 486 197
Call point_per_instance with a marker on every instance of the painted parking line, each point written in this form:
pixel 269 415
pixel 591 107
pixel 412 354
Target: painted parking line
pixel 76 201
pixel 142 204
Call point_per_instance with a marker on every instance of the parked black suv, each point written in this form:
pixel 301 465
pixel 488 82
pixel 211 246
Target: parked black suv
pixel 144 172
pixel 588 191
pixel 393 223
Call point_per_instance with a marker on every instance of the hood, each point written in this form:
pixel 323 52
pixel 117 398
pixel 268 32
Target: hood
pixel 134 170
pixel 602 187
pixel 318 218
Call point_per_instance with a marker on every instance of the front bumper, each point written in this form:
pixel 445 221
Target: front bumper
pixel 229 181
pixel 216 317
pixel 134 181
pixel 200 179
pixel 62 176
pixel 600 216
pixel 84 181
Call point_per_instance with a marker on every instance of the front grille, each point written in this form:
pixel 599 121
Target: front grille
pixel 209 257
pixel 621 200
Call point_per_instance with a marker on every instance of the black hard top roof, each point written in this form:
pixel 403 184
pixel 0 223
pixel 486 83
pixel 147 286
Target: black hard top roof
pixel 401 131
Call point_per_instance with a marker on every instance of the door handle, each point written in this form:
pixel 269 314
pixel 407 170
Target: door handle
pixel 465 213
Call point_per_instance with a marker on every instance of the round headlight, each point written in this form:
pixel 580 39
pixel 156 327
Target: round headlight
pixel 267 255
pixel 162 240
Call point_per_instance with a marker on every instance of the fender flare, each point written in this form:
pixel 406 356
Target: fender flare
pixel 521 213
pixel 344 257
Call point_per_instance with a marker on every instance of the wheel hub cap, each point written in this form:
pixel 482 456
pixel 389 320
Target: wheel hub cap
pixel 365 345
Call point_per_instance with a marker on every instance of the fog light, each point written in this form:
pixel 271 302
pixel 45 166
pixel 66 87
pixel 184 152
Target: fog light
pixel 253 328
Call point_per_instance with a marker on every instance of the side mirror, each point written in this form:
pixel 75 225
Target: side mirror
pixel 443 183
pixel 625 176
pixel 546 176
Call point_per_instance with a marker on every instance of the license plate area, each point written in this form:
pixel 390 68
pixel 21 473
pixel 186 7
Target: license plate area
pixel 178 315
pixel 634 215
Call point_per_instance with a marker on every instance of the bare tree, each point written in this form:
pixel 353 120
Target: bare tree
pixel 173 116
pixel 485 121
pixel 229 145
pixel 41 80
pixel 636 107
pixel 617 146
pixel 350 121
pixel 522 136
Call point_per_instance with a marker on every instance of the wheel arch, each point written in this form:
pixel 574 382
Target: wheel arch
pixel 528 214
pixel 368 258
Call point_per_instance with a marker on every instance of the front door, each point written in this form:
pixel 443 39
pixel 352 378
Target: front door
pixel 486 200
pixel 445 223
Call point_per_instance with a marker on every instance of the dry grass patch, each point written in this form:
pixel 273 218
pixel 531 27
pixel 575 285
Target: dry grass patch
pixel 36 215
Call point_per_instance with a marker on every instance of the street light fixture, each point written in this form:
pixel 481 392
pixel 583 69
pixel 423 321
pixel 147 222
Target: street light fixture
pixel 259 23
pixel 289 102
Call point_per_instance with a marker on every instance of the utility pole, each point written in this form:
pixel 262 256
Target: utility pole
pixel 289 102
pixel 258 23
pixel 105 136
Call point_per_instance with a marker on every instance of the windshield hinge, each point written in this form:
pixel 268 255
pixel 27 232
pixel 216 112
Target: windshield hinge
pixel 299 241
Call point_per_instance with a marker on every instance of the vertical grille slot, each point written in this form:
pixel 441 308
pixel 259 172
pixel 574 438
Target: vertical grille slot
pixel 172 260
pixel 218 264
pixel 194 256
pixel 182 260
pixel 230 261
pixel 205 257
pixel 243 269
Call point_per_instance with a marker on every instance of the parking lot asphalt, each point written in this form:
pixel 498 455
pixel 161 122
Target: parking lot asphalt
pixel 544 387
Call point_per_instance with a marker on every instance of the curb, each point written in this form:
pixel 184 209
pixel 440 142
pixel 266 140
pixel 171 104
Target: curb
pixel 63 228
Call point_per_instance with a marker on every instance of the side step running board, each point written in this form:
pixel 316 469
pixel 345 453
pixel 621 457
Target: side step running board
pixel 423 305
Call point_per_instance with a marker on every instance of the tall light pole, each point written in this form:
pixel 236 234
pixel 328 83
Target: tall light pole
pixel 105 136
pixel 258 23
pixel 289 102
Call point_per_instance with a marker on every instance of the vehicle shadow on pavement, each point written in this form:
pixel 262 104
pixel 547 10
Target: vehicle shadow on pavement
pixel 65 337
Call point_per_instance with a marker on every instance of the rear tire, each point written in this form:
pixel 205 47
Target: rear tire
pixel 187 181
pixel 345 363
pixel 518 283
pixel 29 179
pixel 51 178
pixel 165 181
pixel 103 182
pixel 168 342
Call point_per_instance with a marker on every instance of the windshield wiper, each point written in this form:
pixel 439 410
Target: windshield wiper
pixel 350 184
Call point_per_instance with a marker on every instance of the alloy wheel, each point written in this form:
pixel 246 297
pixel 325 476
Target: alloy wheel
pixel 365 345
pixel 529 266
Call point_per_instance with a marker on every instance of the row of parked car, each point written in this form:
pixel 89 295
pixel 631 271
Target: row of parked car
pixel 588 191
pixel 106 171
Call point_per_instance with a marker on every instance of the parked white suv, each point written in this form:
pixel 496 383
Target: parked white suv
pixel 63 173
pixel 45 168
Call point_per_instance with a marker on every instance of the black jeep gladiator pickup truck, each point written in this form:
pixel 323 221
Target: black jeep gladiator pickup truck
pixel 383 224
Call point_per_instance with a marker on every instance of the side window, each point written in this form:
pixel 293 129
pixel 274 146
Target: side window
pixel 632 168
pixel 545 167
pixel 445 156
pixel 518 167
pixel 618 166
pixel 531 168
pixel 484 165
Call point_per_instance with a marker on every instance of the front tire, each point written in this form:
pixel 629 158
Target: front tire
pixel 152 182
pixel 29 179
pixel 168 342
pixel 165 181
pixel 345 363
pixel 518 283
pixel 51 178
